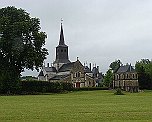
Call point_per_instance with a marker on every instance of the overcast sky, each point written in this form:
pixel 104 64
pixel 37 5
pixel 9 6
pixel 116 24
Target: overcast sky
pixel 96 31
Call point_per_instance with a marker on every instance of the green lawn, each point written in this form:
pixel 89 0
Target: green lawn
pixel 83 106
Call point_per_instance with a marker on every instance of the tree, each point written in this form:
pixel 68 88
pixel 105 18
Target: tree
pixel 108 78
pixel 21 43
pixel 115 65
pixel 144 69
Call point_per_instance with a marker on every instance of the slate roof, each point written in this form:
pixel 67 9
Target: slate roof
pixel 100 76
pixel 125 68
pixel 61 42
pixel 87 70
pixel 50 69
pixel 58 77
pixel 66 67
pixel 95 70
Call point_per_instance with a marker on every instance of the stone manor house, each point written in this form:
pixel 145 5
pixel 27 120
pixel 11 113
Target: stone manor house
pixel 126 78
pixel 63 70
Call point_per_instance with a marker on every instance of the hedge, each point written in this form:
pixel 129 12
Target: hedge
pixel 37 87
pixel 30 87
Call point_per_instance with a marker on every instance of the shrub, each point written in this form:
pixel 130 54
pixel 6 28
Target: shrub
pixel 10 87
pixel 119 92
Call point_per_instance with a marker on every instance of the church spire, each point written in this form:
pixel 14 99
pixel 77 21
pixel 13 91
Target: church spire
pixel 61 51
pixel 61 41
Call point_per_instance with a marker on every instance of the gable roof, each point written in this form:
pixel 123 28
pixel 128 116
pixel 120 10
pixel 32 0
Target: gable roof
pixel 125 68
pixel 41 73
pixel 66 67
pixel 59 77
pixel 50 69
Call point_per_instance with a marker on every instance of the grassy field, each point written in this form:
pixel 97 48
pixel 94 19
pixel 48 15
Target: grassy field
pixel 83 106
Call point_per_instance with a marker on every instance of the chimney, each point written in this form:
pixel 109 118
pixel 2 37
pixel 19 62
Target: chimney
pixel 77 58
pixel 98 68
pixel 90 67
pixel 47 64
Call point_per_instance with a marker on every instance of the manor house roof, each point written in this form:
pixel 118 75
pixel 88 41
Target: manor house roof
pixel 125 68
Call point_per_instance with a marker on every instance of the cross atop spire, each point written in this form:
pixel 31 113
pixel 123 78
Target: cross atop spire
pixel 61 41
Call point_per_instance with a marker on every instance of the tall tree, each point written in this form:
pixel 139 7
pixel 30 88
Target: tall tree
pixel 115 65
pixel 108 78
pixel 144 69
pixel 21 43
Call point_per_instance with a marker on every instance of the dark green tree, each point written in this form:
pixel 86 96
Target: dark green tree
pixel 144 69
pixel 21 45
pixel 108 78
pixel 115 65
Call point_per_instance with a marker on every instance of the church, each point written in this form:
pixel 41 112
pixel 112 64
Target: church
pixel 63 70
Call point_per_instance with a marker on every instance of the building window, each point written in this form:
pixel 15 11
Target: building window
pixel 85 77
pixel 122 76
pixel 77 74
pixel 71 76
pixel 117 76
pixel 65 50
pixel 61 50
pixel 133 76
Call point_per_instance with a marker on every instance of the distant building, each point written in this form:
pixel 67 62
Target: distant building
pixel 126 78
pixel 28 78
pixel 63 70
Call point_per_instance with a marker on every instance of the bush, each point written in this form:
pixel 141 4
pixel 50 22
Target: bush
pixel 119 92
pixel 10 87
pixel 32 87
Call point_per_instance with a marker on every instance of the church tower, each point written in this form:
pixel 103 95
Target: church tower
pixel 61 52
